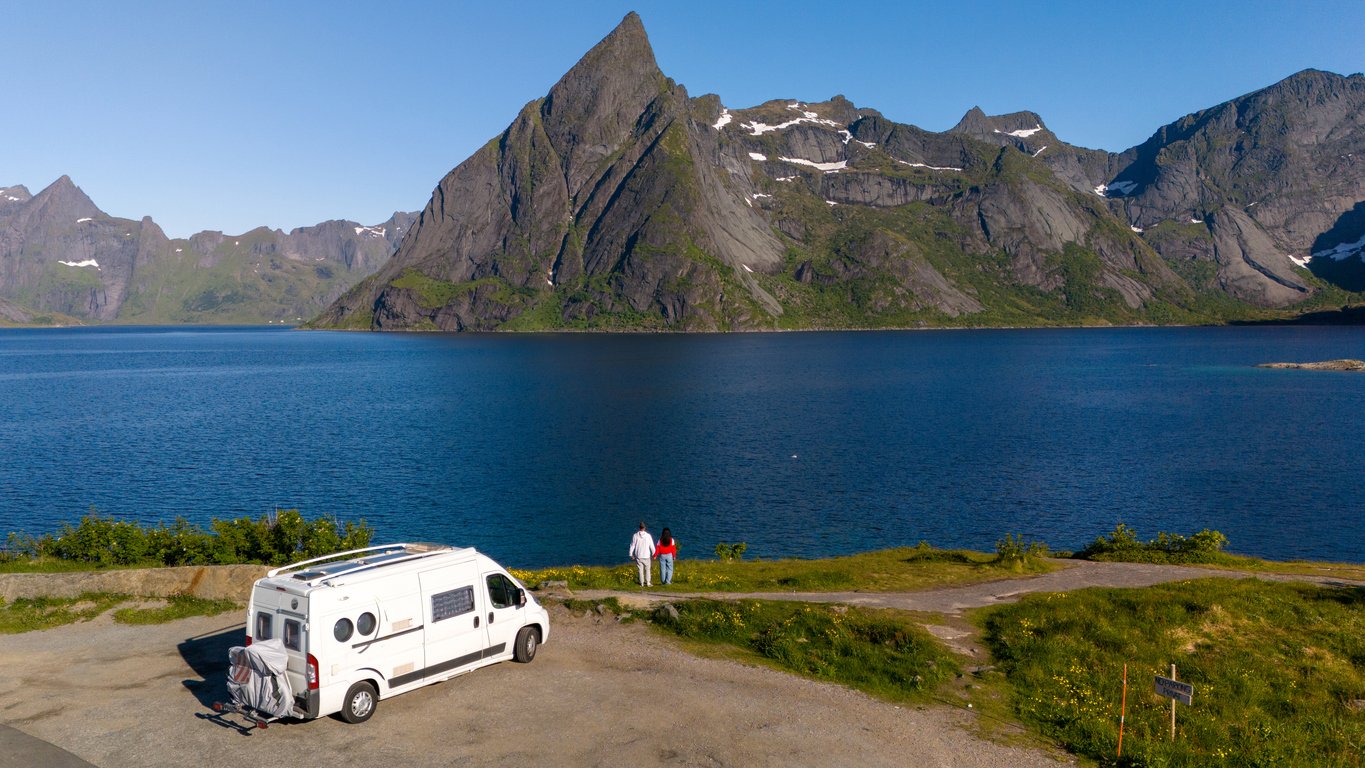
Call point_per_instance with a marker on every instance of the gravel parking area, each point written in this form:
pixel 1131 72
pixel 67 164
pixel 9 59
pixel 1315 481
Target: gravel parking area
pixel 599 694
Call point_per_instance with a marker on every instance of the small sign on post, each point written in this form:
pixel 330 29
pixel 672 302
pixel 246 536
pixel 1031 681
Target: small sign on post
pixel 1173 689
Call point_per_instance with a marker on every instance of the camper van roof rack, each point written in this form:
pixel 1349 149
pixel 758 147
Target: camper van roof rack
pixel 380 555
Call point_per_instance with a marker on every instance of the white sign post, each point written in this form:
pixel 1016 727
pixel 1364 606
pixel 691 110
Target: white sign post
pixel 1175 691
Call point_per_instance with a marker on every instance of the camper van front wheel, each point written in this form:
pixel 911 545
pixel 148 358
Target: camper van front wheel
pixel 360 703
pixel 527 640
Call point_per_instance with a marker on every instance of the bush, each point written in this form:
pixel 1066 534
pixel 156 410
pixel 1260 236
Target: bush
pixel 731 552
pixel 1123 545
pixel 1014 550
pixel 274 539
pixel 99 540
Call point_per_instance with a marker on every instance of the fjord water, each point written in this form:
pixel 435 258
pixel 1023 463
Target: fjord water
pixel 549 449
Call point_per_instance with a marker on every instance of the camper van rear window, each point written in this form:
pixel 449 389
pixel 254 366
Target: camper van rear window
pixel 453 603
pixel 263 626
pixel 292 635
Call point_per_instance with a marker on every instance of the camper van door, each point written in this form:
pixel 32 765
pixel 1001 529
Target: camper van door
pixel 455 632
pixel 504 613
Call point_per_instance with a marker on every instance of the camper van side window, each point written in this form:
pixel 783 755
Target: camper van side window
pixel 264 626
pixel 447 605
pixel 292 635
pixel 366 623
pixel 500 591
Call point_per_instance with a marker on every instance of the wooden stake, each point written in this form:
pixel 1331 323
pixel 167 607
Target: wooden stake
pixel 1123 708
pixel 1172 707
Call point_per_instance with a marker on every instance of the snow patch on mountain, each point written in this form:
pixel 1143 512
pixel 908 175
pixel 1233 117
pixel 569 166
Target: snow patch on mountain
pixel 930 167
pixel 826 167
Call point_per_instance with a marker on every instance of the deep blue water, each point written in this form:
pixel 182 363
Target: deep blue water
pixel 549 449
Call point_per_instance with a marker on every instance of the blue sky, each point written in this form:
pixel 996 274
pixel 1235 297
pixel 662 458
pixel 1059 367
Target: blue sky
pixel 231 115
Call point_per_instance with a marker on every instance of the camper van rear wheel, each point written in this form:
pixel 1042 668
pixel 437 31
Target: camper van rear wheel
pixel 527 640
pixel 361 699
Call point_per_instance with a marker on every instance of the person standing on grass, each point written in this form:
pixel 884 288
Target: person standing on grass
pixel 665 552
pixel 641 551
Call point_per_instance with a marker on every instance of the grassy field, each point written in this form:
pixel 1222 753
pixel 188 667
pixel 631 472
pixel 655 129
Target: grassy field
pixel 1278 671
pixel 888 570
pixel 881 652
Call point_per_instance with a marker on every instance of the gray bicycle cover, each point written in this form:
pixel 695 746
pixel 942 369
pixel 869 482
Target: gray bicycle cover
pixel 256 677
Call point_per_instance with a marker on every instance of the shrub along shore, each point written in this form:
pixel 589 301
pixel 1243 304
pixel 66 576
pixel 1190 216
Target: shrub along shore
pixel 1278 669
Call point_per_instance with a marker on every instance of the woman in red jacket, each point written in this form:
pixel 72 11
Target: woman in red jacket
pixel 665 552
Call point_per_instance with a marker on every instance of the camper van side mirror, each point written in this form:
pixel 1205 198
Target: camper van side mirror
pixel 521 597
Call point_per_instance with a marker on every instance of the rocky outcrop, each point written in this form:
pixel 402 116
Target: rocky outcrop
pixel 1326 365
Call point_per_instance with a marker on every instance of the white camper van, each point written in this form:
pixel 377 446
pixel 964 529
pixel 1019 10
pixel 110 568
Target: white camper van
pixel 390 619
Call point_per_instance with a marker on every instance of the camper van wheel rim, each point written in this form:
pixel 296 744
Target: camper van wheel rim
pixel 527 639
pixel 360 703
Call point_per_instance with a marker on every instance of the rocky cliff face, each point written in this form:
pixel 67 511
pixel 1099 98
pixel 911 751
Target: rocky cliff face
pixel 1271 178
pixel 616 201
pixel 64 259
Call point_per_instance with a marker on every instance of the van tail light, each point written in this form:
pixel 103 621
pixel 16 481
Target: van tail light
pixel 312 672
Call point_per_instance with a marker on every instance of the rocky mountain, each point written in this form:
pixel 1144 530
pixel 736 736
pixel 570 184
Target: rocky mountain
pixel 619 202
pixel 62 259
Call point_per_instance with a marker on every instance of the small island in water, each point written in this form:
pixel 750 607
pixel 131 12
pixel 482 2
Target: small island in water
pixel 1326 365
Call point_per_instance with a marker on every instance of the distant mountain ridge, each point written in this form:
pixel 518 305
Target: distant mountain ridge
pixel 63 260
pixel 619 202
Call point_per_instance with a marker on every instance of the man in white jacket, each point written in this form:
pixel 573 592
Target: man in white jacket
pixel 642 551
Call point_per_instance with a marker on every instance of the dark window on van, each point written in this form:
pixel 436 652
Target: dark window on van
pixel 293 635
pixel 365 624
pixel 342 630
pixel 501 591
pixel 446 605
pixel 264 626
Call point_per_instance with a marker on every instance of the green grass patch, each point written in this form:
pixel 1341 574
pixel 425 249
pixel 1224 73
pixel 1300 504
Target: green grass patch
pixel 1278 671
pixel 889 570
pixel 176 607
pixel 880 652
pixel 28 614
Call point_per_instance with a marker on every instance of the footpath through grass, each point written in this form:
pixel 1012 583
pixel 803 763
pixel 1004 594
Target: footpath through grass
pixel 1278 671
pixel 888 570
